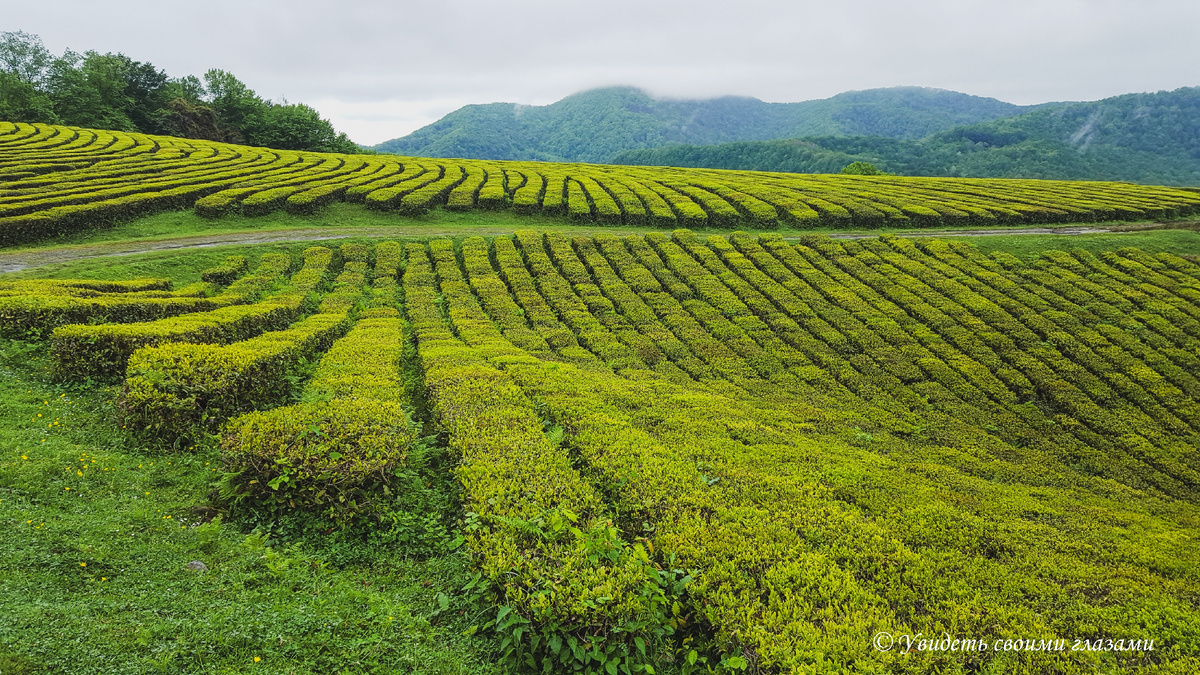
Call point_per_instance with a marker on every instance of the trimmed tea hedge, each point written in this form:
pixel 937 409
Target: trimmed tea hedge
pixel 101 351
pixel 68 179
pixel 173 389
pixel 231 269
pixel 742 453
pixel 355 401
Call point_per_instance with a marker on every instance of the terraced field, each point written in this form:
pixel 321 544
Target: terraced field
pixel 679 452
pixel 59 179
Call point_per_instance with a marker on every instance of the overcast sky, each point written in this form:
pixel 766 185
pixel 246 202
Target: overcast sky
pixel 380 70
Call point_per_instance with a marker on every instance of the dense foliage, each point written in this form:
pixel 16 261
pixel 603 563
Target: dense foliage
pixel 57 179
pixel 1145 138
pixel 741 453
pixel 112 91
pixel 861 169
pixel 593 126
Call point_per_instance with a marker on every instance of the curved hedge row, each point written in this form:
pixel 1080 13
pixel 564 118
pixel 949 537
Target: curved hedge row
pixel 356 401
pixel 771 296
pixel 81 351
pixel 176 387
pixel 745 453
pixel 69 178
pixel 226 272
pixel 577 597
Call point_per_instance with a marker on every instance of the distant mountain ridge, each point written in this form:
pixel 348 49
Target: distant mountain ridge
pixel 596 125
pixel 1143 138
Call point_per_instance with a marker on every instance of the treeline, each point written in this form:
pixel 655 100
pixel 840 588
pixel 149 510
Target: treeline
pixel 1143 138
pixel 112 91
pixel 934 156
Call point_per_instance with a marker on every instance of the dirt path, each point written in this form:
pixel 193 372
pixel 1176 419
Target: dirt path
pixel 19 260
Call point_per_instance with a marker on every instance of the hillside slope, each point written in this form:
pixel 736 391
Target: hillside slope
pixel 592 126
pixel 1144 138
pixel 58 180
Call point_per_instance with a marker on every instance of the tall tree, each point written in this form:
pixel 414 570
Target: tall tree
pixel 89 91
pixel 23 63
pixel 188 88
pixel 236 105
pixel 24 56
pixel 145 89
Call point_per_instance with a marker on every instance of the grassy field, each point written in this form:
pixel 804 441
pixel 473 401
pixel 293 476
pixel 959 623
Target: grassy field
pixel 100 526
pixel 339 217
pixel 101 522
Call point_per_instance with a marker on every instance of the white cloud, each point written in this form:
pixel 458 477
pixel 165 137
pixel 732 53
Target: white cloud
pixel 372 122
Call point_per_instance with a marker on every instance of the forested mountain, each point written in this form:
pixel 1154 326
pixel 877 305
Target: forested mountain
pixel 595 125
pixel 1145 138
pixel 112 91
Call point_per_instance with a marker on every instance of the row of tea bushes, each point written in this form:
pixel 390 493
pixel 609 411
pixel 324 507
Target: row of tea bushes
pixel 102 350
pixel 87 181
pixel 573 595
pixel 357 403
pixel 747 453
pixel 175 388
pixel 37 306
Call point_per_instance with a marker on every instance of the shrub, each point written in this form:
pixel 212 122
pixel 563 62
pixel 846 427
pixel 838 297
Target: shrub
pixel 862 169
pixel 333 456
pixel 225 273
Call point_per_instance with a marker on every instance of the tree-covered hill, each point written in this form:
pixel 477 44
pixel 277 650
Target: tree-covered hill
pixel 1145 138
pixel 595 125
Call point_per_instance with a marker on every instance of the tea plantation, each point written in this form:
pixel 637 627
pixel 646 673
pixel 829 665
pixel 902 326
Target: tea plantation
pixel 661 452
pixel 58 179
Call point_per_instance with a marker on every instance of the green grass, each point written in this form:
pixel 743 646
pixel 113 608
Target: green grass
pixel 341 217
pixel 98 529
pixel 342 220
